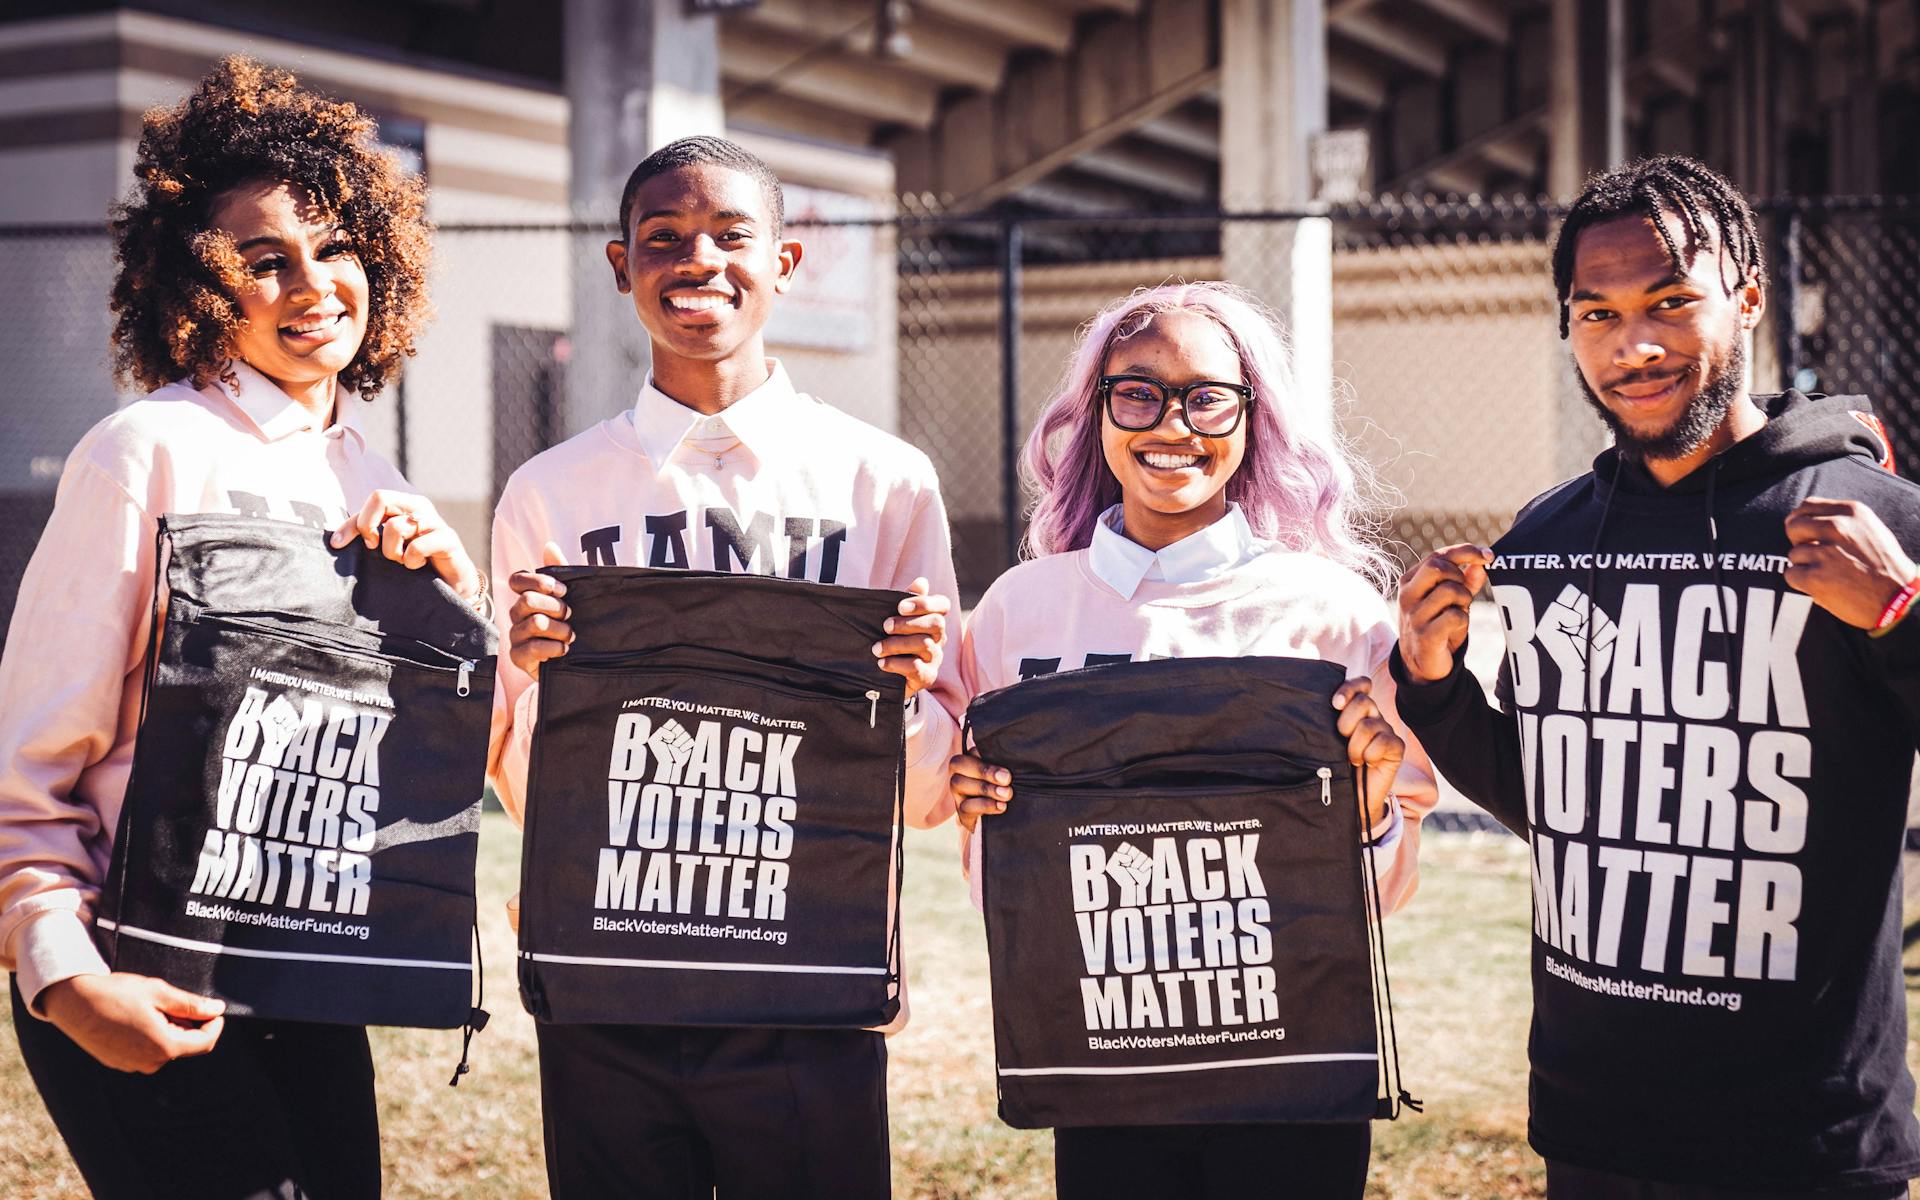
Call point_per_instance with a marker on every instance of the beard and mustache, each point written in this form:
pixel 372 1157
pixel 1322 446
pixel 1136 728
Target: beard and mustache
pixel 1705 411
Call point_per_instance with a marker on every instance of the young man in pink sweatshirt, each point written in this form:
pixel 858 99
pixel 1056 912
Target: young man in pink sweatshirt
pixel 720 465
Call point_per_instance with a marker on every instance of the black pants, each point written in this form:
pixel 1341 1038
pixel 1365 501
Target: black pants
pixel 1212 1162
pixel 278 1110
pixel 637 1111
pixel 1568 1182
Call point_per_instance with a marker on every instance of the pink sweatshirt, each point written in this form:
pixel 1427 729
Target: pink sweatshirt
pixel 1217 592
pixel 71 678
pixel 778 484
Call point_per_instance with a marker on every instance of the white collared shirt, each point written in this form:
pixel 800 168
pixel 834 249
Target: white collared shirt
pixel 1122 563
pixel 277 415
pixel 763 420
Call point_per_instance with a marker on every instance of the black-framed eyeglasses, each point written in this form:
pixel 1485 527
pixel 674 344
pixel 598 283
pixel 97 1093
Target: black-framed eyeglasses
pixel 1137 403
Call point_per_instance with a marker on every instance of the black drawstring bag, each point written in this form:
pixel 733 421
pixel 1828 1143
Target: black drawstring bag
pixel 300 825
pixel 1177 908
pixel 714 806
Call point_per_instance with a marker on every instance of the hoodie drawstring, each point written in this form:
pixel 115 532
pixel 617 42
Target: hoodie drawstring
pixel 1719 607
pixel 1590 684
pixel 1719 589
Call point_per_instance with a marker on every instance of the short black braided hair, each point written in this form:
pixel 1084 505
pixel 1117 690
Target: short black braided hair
pixel 1704 201
pixel 698 151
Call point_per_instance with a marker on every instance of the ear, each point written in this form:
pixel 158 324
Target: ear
pixel 789 257
pixel 617 257
pixel 1752 297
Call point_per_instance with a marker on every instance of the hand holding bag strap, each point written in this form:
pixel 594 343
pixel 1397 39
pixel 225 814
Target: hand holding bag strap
pixel 1397 1096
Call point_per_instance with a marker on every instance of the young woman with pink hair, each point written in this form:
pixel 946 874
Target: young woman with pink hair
pixel 1191 503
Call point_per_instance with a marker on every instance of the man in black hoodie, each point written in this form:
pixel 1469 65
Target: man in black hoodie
pixel 1712 703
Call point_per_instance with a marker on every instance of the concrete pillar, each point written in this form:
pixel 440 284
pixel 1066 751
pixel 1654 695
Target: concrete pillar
pixel 1273 100
pixel 1587 99
pixel 639 73
pixel 1587 116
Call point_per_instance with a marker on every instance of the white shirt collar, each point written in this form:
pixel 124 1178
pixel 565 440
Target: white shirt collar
pixel 765 420
pixel 1122 563
pixel 277 415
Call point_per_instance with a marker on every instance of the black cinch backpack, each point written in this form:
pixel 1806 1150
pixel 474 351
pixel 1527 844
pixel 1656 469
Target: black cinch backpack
pixel 714 806
pixel 1182 926
pixel 300 825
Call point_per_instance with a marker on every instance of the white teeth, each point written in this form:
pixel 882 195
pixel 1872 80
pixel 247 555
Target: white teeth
pixel 1170 461
pixel 314 326
pixel 696 301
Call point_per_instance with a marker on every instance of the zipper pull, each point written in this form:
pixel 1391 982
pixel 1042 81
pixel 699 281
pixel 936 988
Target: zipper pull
pixel 1326 786
pixel 465 686
pixel 873 710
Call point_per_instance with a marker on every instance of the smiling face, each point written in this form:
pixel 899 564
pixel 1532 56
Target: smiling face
pixel 703 263
pixel 306 308
pixel 1660 352
pixel 1173 481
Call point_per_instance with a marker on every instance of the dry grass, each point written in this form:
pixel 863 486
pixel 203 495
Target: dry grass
pixel 1461 993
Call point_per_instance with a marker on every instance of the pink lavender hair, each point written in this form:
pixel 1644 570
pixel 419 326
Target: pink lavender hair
pixel 1299 485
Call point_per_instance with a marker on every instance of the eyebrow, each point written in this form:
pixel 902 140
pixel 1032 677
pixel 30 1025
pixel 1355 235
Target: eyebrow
pixel 725 214
pixel 1670 279
pixel 250 243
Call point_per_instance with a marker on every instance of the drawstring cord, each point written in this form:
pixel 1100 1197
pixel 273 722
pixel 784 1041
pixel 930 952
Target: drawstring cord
pixel 476 1016
pixel 1397 1097
pixel 1720 590
pixel 896 970
pixel 1589 683
pixel 123 829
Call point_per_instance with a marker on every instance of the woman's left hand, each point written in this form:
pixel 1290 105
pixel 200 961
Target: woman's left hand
pixel 1371 743
pixel 916 638
pixel 407 529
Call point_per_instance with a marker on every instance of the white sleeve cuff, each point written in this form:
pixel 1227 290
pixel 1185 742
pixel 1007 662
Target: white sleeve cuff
pixel 1386 835
pixel 930 732
pixel 53 946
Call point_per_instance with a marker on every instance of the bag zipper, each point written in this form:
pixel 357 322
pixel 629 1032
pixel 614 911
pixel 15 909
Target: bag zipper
pixel 871 695
pixel 1081 778
pixel 463 668
pixel 608 658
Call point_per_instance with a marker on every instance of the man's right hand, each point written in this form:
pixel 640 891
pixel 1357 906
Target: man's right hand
pixel 539 630
pixel 1435 596
pixel 133 1022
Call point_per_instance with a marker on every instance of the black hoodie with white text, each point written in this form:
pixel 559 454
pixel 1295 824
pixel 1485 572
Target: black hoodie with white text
pixel 1712 772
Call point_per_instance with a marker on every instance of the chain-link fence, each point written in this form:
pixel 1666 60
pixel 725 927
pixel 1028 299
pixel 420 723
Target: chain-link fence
pixel 954 332
pixel 1847 298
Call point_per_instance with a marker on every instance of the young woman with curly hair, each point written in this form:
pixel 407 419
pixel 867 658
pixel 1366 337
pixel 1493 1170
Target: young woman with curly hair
pixel 271 280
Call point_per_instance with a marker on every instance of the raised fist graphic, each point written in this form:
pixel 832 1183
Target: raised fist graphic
pixel 672 745
pixel 1562 632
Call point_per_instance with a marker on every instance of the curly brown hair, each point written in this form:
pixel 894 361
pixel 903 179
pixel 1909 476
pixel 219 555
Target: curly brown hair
pixel 175 295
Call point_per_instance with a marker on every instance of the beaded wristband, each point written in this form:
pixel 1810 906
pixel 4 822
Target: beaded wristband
pixel 1897 607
